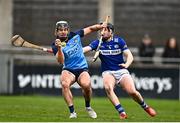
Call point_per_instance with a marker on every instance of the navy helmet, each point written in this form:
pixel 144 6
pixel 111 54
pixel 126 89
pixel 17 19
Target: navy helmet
pixel 110 26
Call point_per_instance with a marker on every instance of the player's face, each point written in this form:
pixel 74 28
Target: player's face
pixel 172 43
pixel 62 33
pixel 107 33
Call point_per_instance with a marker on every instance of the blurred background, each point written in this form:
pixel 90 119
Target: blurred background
pixel 150 27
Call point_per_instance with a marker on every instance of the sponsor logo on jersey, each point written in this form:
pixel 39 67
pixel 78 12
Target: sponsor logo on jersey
pixel 72 51
pixel 111 52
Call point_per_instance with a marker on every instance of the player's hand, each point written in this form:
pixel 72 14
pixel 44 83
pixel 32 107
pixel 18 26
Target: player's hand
pixel 124 65
pixel 104 25
pixel 58 43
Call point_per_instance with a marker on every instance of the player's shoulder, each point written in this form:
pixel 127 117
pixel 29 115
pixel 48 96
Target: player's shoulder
pixel 118 39
pixel 71 34
pixel 96 41
pixel 78 32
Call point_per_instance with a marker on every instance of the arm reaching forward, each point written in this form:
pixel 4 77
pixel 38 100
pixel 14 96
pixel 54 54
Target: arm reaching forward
pixel 59 54
pixel 86 49
pixel 94 28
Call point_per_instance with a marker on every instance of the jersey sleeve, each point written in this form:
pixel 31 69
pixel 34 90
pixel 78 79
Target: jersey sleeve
pixel 54 48
pixel 123 44
pixel 80 33
pixel 94 44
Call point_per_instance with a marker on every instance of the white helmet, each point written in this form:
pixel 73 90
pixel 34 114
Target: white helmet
pixel 62 24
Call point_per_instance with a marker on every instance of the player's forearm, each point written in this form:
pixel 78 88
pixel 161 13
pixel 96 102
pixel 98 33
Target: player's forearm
pixel 129 59
pixel 92 28
pixel 86 49
pixel 96 27
pixel 60 56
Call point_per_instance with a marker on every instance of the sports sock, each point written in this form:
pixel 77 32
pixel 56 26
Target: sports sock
pixel 143 105
pixel 119 108
pixel 71 108
pixel 87 103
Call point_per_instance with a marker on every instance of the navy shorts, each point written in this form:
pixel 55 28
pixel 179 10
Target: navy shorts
pixel 76 72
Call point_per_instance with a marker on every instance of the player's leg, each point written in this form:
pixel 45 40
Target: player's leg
pixel 84 82
pixel 109 83
pixel 67 79
pixel 127 84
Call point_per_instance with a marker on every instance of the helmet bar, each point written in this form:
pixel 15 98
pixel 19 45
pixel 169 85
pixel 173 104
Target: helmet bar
pixel 62 24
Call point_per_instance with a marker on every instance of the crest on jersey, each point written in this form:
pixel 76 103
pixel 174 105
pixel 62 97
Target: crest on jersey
pixel 75 40
pixel 116 46
pixel 116 40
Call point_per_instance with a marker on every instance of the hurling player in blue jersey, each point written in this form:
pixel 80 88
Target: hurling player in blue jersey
pixel 114 69
pixel 68 50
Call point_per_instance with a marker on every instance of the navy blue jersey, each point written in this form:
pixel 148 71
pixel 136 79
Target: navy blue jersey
pixel 73 52
pixel 111 53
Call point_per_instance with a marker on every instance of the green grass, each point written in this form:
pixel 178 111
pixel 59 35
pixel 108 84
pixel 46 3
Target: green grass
pixel 54 109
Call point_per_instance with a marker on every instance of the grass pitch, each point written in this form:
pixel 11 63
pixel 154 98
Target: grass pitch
pixel 54 109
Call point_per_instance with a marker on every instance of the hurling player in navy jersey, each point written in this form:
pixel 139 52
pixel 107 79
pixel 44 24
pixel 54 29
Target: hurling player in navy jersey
pixel 68 50
pixel 114 69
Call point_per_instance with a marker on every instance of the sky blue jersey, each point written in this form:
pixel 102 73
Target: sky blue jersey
pixel 111 53
pixel 73 53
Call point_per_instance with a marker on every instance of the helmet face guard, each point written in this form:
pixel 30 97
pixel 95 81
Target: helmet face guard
pixel 61 25
pixel 110 26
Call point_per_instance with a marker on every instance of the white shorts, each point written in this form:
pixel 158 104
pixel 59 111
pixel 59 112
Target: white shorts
pixel 118 74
